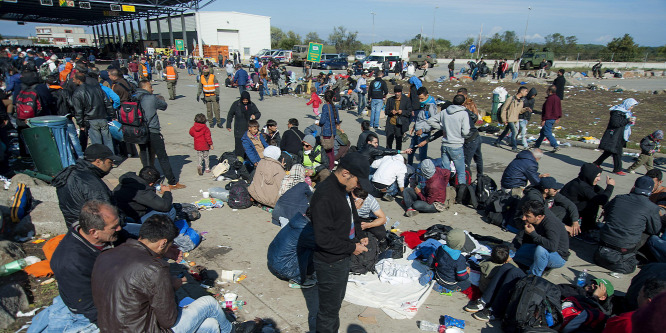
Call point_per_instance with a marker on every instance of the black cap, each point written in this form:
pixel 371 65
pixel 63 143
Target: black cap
pixel 550 182
pixel 357 164
pixel 397 88
pixel 101 152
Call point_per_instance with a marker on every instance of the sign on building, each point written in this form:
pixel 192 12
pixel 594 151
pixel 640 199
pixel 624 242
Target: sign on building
pixel 314 52
pixel 180 44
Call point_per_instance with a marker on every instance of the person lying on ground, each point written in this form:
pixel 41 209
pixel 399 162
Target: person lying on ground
pixel 137 198
pixel 586 309
pixel 431 198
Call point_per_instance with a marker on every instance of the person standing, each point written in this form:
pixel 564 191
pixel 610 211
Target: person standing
pixel 452 67
pixel 515 68
pixel 159 68
pixel 505 67
pixel 596 70
pixel 495 69
pixel 550 116
pixel 172 78
pixel 398 112
pixel 91 110
pixel 361 90
pixel 427 108
pixel 510 111
pixel 378 91
pixel 240 78
pixel 338 234
pixel 617 134
pixel 500 71
pixel 143 70
pixel 524 118
pixel 559 83
pixel 243 110
pixel 542 69
pixel 472 146
pixel 211 89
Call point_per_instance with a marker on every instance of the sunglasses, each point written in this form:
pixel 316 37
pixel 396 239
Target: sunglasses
pixel 306 145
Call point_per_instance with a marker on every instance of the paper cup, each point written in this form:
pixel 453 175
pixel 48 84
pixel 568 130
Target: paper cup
pixel 206 195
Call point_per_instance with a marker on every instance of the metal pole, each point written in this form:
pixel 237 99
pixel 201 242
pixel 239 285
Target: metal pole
pixel 106 38
pixel 420 39
pixel 132 31
pixel 120 40
pixel 199 41
pixel 159 31
pixel 125 32
pixel 95 36
pixel 612 55
pixel 148 32
pixel 526 24
pixel 184 31
pixel 478 51
pixel 373 30
pixel 577 57
pixel 170 30
pixel 138 24
pixel 432 38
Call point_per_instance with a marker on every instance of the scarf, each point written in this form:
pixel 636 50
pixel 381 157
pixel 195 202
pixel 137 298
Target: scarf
pixel 296 175
pixel 624 107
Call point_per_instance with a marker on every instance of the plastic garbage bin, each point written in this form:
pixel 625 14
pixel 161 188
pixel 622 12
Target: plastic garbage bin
pixel 43 149
pixel 58 126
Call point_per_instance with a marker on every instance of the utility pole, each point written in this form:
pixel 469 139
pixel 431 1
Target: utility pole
pixel 525 34
pixel 420 39
pixel 478 47
pixel 373 30
pixel 432 38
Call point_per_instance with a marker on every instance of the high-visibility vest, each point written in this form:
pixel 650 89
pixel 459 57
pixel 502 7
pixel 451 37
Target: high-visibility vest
pixel 170 73
pixel 144 70
pixel 208 85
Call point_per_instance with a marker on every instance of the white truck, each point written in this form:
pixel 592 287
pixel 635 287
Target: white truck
pixel 402 51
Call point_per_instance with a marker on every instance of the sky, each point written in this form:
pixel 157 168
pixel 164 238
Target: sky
pixel 592 21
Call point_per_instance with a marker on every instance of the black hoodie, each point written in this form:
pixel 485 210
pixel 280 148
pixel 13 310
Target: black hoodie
pixel 528 102
pixel 582 191
pixel 136 198
pixel 242 113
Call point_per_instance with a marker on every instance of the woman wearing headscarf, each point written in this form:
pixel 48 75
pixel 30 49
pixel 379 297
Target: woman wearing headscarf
pixel 243 110
pixel 617 134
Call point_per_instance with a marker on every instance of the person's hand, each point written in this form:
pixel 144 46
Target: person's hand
pixel 575 227
pixel 198 97
pixel 229 129
pixel 211 147
pixel 365 225
pixel 360 249
pixel 82 128
pixel 174 253
pixel 543 123
pixel 544 175
pixel 252 117
pixel 468 269
pixel 393 112
pixel 399 111
pixel 255 163
pixel 177 282
pixel 505 123
pixel 417 190
pixel 528 109
pixel 610 181
pixel 419 132
pixel 599 291
pixel 529 228
pixel 409 150
pixel 364 241
pixel 165 188
pixel 557 121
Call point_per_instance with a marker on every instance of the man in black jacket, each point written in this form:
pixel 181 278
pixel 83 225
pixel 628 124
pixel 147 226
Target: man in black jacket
pixel 398 110
pixel 630 220
pixel 242 110
pixel 338 235
pixel 292 138
pixel 136 195
pixel 559 83
pixel 377 94
pixel 373 151
pixel 91 110
pixel 363 137
pixel 543 242
pixel 82 182
pixel 588 196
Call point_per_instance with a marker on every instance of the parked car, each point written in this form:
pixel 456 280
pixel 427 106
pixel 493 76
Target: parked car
pixel 376 61
pixel 269 55
pixel 421 58
pixel 263 52
pixel 532 58
pixel 359 55
pixel 283 57
pixel 334 63
pixel 324 57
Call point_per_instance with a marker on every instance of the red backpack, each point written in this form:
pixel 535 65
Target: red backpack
pixel 28 104
pixel 135 127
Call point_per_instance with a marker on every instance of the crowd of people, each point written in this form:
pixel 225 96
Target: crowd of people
pixel 321 189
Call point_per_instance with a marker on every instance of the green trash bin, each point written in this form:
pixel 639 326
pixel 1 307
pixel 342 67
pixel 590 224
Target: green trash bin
pixel 496 105
pixel 43 150
pixel 58 126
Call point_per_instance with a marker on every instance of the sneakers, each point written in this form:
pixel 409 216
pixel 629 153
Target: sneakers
pixel 211 125
pixel 514 150
pixel 308 283
pixel 411 212
pixel 177 186
pixel 388 198
pixel 632 171
pixel 484 315
pixel 475 306
pixel 207 171
pixel 200 170
pixel 556 149
pixel 620 173
pixel 439 206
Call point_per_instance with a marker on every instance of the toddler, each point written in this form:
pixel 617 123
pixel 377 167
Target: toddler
pixel 315 101
pixel 649 145
pixel 202 142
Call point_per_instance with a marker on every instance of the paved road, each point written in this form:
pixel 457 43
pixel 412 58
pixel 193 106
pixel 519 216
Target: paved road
pixel 249 232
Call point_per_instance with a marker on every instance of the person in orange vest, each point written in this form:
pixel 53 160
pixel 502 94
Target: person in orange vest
pixel 211 89
pixel 143 70
pixel 171 78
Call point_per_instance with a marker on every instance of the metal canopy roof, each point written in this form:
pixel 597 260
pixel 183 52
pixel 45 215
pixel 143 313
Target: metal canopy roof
pixel 100 10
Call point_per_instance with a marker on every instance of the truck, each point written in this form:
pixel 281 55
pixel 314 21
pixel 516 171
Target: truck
pixel 421 58
pixel 401 51
pixel 531 58
pixel 299 53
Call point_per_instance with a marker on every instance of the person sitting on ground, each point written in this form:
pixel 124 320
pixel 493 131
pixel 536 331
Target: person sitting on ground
pixel 649 145
pixel 136 196
pixel 363 137
pixel 342 144
pixel 586 309
pixel 253 143
pixel 390 176
pixel 271 133
pixel 623 323
pixel 373 151
pixel 543 242
pixel 449 265
pixel 547 191
pixel 292 140
pixel 294 196
pixel 72 264
pixel 133 290
pixel 314 159
pixel 588 196
pixel 498 277
pixel 372 216
pixel 524 168
pixel 82 182
pixel 630 220
pixel 431 198
pixel 267 180
pixel 290 254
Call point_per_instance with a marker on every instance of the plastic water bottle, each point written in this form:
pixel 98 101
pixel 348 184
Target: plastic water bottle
pixel 582 278
pixel 17 265
pixel 425 325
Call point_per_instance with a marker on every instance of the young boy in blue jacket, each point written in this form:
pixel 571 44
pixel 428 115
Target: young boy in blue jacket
pixel 449 265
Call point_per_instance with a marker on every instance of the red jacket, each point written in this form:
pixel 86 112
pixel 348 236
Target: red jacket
pixel 314 100
pixel 133 67
pixel 619 324
pixel 435 190
pixel 552 108
pixel 201 134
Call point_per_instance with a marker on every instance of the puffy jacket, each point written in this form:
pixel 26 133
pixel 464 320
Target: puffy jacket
pixel 89 103
pixel 613 138
pixel 201 134
pixel 627 217
pixel 150 104
pixel 135 198
pixel 522 169
pixel 649 146
pixel 78 184
pixel 435 190
pixel 132 290
pixel 449 265
pixel 291 251
pixel 583 193
pixel 61 99
pixel 242 113
pixel 528 102
pixel 454 123
pixel 265 186
pixel 295 201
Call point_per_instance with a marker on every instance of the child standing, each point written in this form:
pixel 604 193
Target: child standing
pixel 315 101
pixel 203 143
pixel 649 145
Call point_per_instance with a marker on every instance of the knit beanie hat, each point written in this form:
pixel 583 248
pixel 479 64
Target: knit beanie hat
pixel 309 139
pixel 428 168
pixel 658 135
pixel 455 239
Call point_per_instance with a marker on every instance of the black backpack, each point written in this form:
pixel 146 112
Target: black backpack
pixel 531 299
pixel 236 168
pixel 365 262
pixel 500 205
pixel 239 197
pixel 396 244
pixel 484 187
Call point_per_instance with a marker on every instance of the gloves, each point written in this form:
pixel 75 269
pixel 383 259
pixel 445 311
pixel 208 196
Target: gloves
pixel 217 99
pixel 204 101
pixel 197 98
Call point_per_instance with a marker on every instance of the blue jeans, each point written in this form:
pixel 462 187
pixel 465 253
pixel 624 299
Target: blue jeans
pixel 547 132
pixel 241 88
pixel 658 247
pixel 450 73
pixel 423 151
pixel 457 155
pixel 266 91
pixel 98 132
pixel 58 318
pixel 514 133
pixel 376 107
pixel 203 315
pixel 514 75
pixel 538 258
pixel 190 71
pixel 74 139
pixel 522 125
pixel 362 103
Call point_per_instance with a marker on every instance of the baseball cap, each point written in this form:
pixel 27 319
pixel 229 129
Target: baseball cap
pixel 550 182
pixel 357 164
pixel 610 290
pixel 643 185
pixel 100 151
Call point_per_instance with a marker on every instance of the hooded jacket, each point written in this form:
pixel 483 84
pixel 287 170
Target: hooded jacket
pixel 242 113
pixel 583 193
pixel 201 134
pixel 528 102
pixel 522 169
pixel 435 187
pixel 290 253
pixel 627 217
pixel 265 186
pixel 150 104
pixel 613 138
pixel 295 200
pixel 378 89
pixel 136 198
pixel 425 110
pixel 454 122
pixel 649 146
pixel 78 184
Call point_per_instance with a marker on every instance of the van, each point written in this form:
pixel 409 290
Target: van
pixel 376 60
pixel 283 57
pixel 324 57
pixel 359 55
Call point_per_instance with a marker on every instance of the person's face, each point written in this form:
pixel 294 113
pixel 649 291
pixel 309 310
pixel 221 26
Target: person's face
pixel 522 93
pixel 593 290
pixel 532 219
pixel 149 88
pixel 245 101
pixel 253 130
pixel 423 98
pixel 597 179
pixel 272 128
pixel 111 227
pixel 104 165
pixel 398 94
pixel 657 183
pixel 374 142
pixel 349 181
pixel 550 192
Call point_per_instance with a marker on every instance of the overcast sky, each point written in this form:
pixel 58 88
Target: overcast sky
pixel 592 21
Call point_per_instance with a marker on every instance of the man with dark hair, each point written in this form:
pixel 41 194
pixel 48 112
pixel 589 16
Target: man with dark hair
pixel 338 235
pixel 137 198
pixel 374 151
pixel 377 95
pixel 454 125
pixel 72 264
pixel 551 112
pixel 427 109
pixel 292 138
pixel 363 137
pixel 509 113
pixel 543 242
pixel 559 83
pixel 588 196
pixel 254 143
pixel 134 292
pixel 398 112
pixel 82 182
pixel 120 86
pixel 472 145
pixel 92 109
pixel 547 191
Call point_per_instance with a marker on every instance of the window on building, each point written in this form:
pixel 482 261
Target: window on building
pixel 60 40
pixel 68 31
pixel 82 40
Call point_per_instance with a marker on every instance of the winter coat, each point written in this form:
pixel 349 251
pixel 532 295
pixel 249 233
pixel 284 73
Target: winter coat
pixel 454 122
pixel 522 169
pixel 449 265
pixel 242 113
pixel 648 145
pixel 77 184
pixel 150 104
pixel 291 251
pixel 552 108
pixel 613 139
pixel 295 201
pixel 528 102
pixel 583 193
pixel 249 148
pixel 377 89
pixel 314 100
pixel 511 109
pixel 328 120
pixel 424 113
pixel 533 193
pixel 265 186
pixel 90 102
pixel 61 98
pixel 627 217
pixel 559 83
pixel 402 120
pixel 373 153
pixel 435 189
pixel 292 140
pixel 201 134
pixel 550 234
pixel 136 198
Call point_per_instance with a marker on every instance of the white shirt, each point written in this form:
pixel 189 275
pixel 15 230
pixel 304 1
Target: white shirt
pixel 391 169
pixel 411 70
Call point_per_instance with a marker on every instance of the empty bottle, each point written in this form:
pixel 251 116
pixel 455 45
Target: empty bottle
pixel 582 278
pixel 17 265
pixel 425 325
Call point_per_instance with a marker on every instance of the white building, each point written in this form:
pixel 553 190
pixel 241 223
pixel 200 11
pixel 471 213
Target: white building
pixel 65 36
pixel 241 32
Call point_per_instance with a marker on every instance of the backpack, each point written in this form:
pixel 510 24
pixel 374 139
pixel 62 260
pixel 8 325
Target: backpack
pixel 236 168
pixel 466 195
pixel 28 104
pixel 498 205
pixel 595 320
pixel 533 301
pixel 365 262
pixel 21 203
pixel 484 187
pixel 45 72
pixel 135 127
pixel 396 244
pixel 239 197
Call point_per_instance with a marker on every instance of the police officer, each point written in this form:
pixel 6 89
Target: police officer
pixel 171 78
pixel 211 89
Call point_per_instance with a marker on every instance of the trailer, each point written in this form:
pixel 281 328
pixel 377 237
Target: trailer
pixel 402 51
